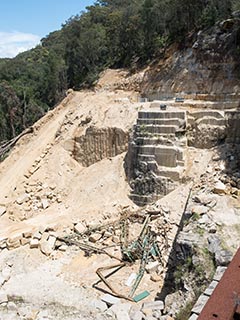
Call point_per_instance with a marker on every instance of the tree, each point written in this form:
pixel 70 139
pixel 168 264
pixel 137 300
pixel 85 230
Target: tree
pixel 9 111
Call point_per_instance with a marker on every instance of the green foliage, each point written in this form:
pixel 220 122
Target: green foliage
pixel 185 312
pixel 111 33
pixel 181 271
pixel 236 5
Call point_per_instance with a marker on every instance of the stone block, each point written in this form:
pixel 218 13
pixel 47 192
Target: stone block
pixel 52 240
pixel 37 235
pixel 27 234
pixel 211 288
pixel 154 305
pixel 63 248
pixel 3 245
pixel 14 238
pixel 223 257
pixel 13 245
pixel 25 241
pixel 34 243
pixel 45 236
pixel 194 316
pixel 152 266
pixel 45 203
pixel 99 305
pixel 136 314
pixel 23 198
pixel 110 300
pixel 219 273
pixel 219 188
pixel 121 311
pixel 79 228
pixel 131 279
pixel 33 170
pixel 95 237
pixel 156 278
pixel 47 246
pixel 202 300
pixel 200 210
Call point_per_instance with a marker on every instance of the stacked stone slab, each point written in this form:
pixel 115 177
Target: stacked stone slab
pixel 157 152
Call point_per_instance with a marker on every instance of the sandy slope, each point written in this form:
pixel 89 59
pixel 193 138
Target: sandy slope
pixel 91 193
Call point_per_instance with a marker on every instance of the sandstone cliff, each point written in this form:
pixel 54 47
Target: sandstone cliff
pixel 207 64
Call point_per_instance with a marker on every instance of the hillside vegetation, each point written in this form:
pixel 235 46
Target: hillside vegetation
pixel 111 33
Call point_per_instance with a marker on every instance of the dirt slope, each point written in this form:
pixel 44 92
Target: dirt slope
pixel 43 161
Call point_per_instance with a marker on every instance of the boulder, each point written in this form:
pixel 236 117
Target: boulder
pixel 200 210
pixel 99 305
pixel 95 237
pixel 203 198
pixel 223 257
pixel 120 311
pixel 152 266
pixel 45 203
pixel 135 313
pixel 219 188
pixel 79 228
pixel 214 244
pixel 47 246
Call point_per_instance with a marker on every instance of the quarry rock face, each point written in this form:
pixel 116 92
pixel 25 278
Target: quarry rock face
pixel 206 129
pixel 156 161
pixel 99 143
pixel 207 65
pixel 156 154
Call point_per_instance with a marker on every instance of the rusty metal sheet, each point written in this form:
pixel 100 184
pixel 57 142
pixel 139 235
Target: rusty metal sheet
pixel 224 303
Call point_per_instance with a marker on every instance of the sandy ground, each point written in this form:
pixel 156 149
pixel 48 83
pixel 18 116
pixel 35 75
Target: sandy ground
pixel 85 192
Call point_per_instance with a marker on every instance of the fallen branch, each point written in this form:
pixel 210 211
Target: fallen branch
pixel 87 248
pixel 5 147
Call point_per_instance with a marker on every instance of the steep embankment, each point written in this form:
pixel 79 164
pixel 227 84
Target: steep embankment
pixel 207 64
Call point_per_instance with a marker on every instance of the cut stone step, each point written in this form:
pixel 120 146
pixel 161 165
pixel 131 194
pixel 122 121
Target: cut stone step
pixel 171 122
pixel 161 114
pixel 159 129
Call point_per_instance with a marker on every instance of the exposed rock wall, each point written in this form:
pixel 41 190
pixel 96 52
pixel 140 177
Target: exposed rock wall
pixel 207 63
pixel 233 127
pixel 99 143
pixel 209 128
pixel 156 154
pixel 157 150
pixel 206 128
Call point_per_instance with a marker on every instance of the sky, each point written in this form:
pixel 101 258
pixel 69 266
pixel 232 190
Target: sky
pixel 23 23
